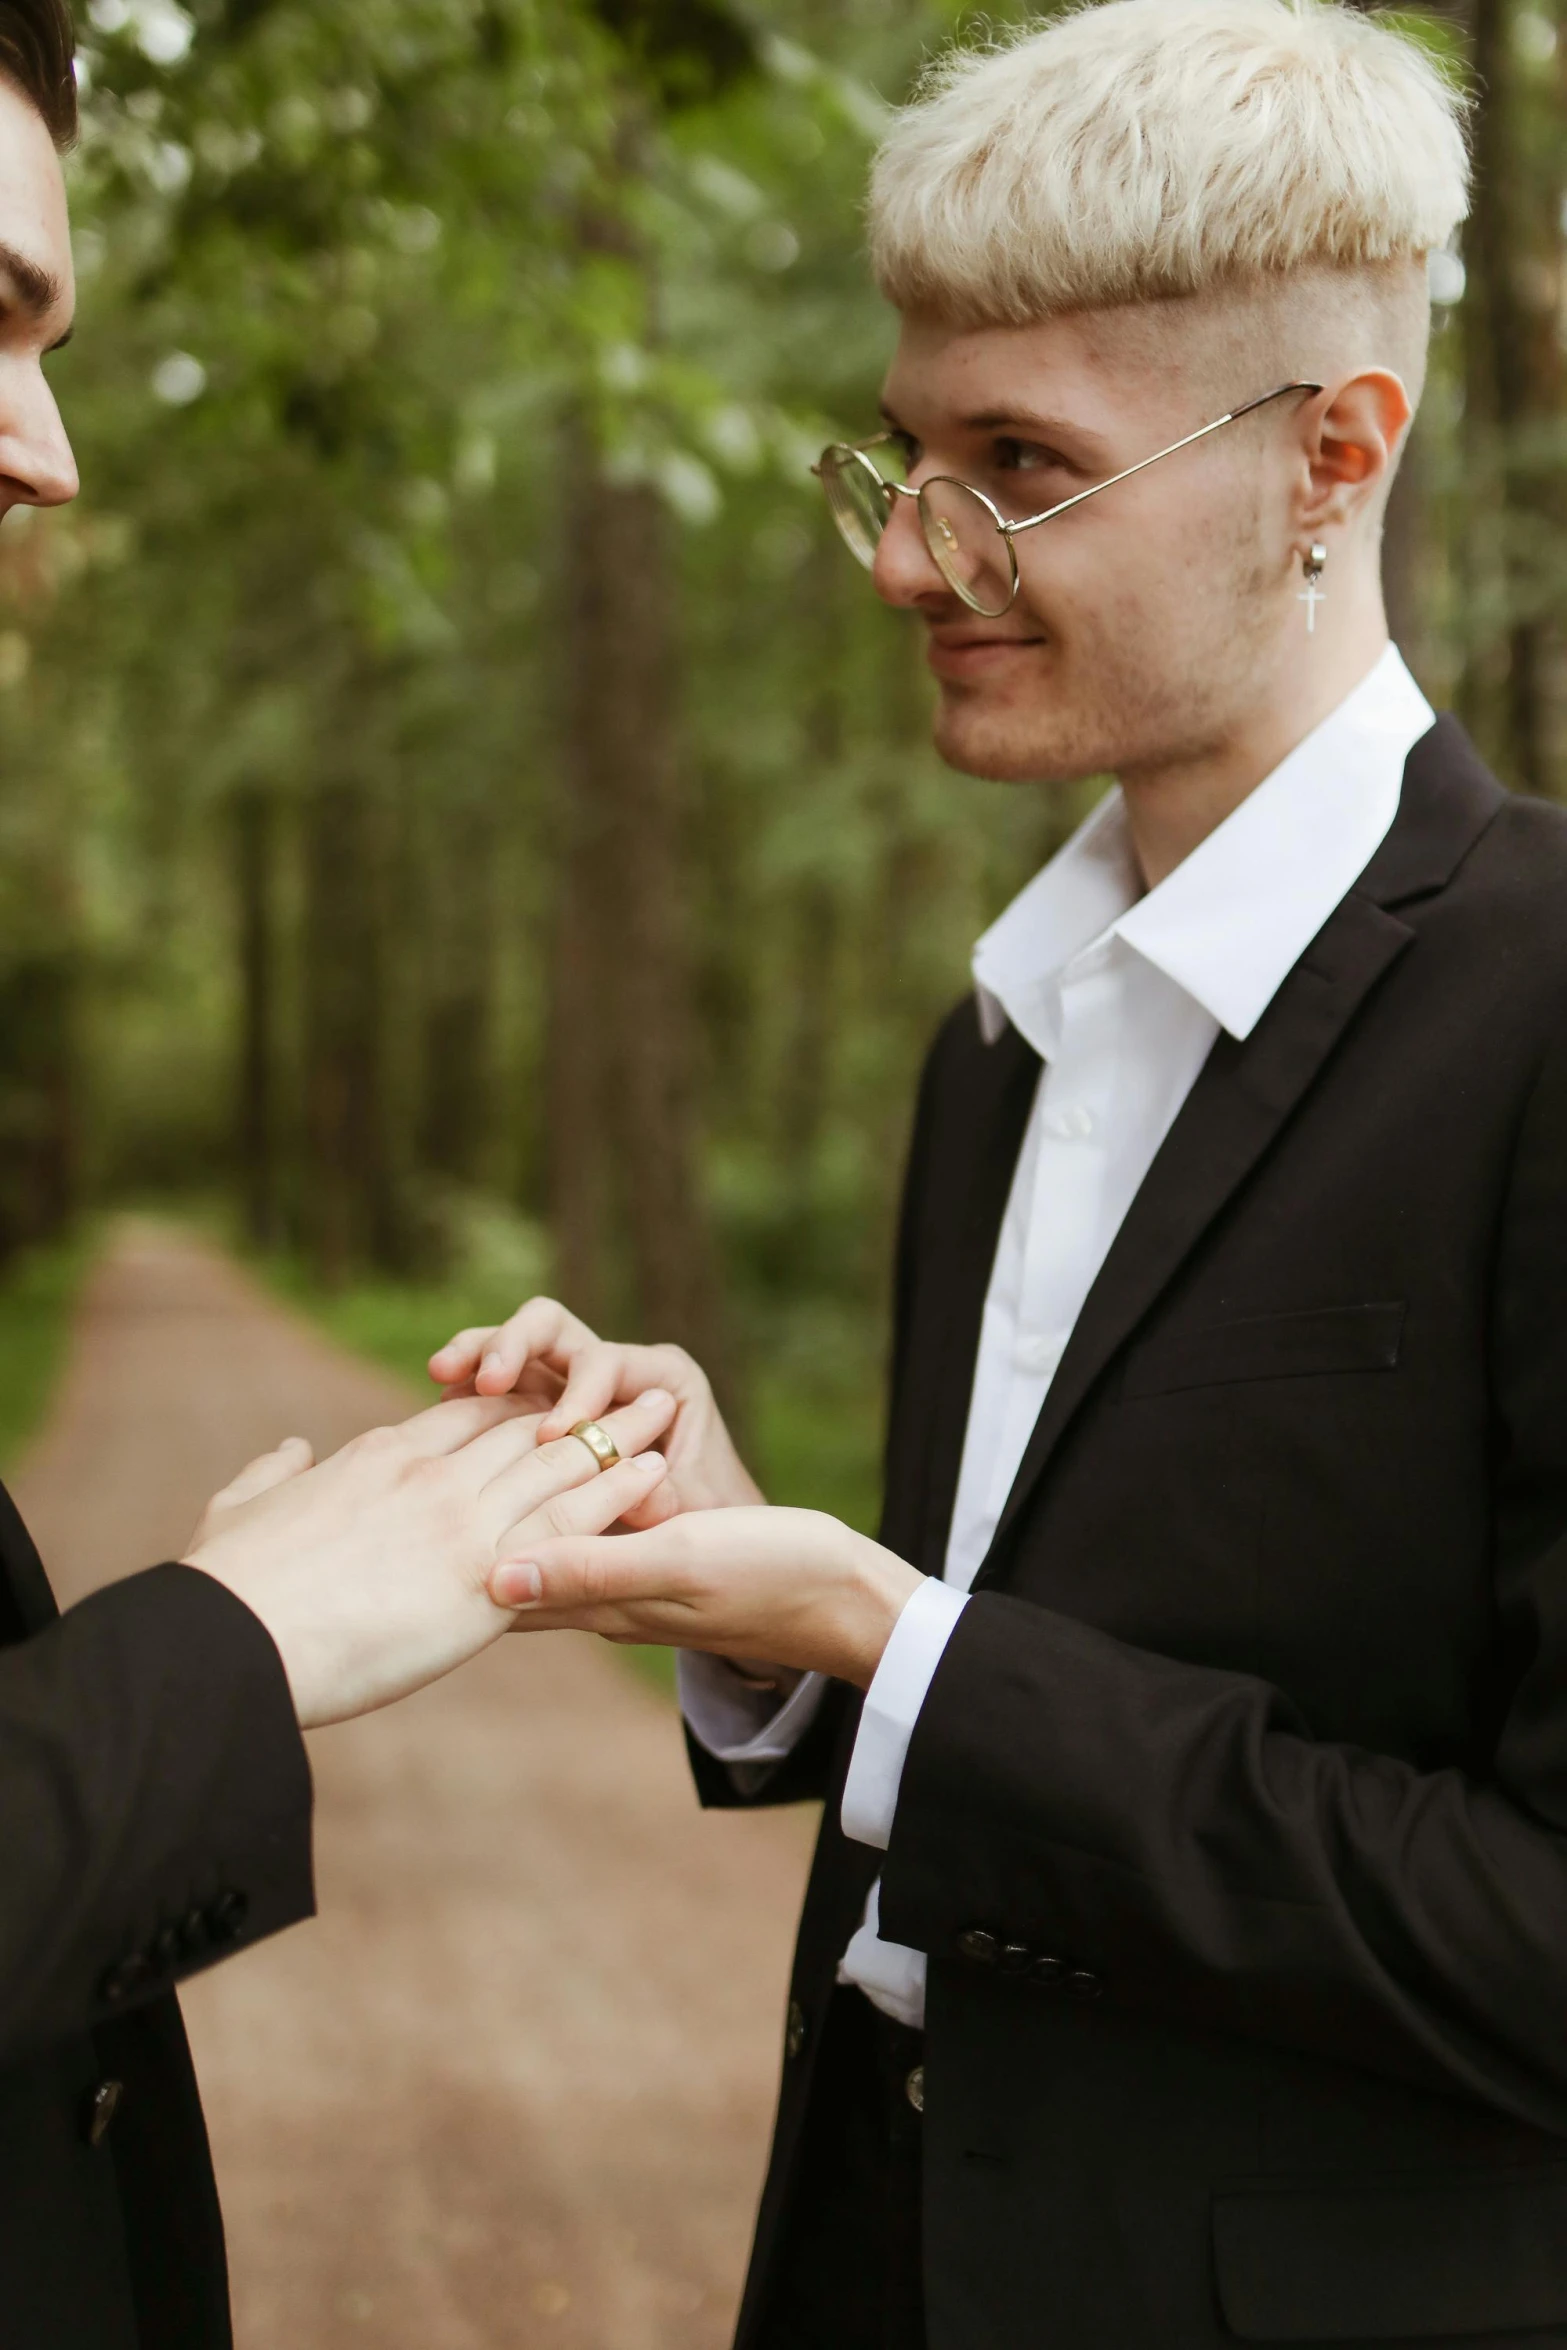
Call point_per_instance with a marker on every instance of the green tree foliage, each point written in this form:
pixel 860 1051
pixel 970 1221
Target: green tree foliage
pixel 448 772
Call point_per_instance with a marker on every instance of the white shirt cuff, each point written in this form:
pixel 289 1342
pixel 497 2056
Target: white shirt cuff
pixel 892 1706
pixel 741 1725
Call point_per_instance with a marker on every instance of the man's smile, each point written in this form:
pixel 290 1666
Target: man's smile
pixel 957 653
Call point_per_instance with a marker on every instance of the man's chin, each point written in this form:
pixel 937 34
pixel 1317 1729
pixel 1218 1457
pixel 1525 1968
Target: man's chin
pixel 999 746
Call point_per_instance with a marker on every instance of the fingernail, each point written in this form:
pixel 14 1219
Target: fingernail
pixel 518 1584
pixel 652 1460
pixel 655 1397
pixel 490 1363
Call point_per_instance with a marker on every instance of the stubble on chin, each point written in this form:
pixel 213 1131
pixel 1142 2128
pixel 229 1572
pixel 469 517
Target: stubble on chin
pixel 1001 742
pixel 1063 733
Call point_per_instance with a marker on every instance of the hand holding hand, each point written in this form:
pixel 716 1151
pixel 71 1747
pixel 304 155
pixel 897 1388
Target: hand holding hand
pixel 563 1369
pixel 371 1571
pixel 790 1584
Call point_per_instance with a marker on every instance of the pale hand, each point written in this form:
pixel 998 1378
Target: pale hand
pixel 566 1371
pixel 371 1572
pixel 790 1584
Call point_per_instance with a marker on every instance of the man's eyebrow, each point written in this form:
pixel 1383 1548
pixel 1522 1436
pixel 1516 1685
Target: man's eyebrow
pixel 38 288
pixel 1029 426
pixel 1026 425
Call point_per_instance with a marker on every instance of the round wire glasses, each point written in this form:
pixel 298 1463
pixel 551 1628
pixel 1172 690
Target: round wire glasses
pixel 970 541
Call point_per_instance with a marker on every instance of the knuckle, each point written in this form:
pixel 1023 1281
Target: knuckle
pixel 682 1371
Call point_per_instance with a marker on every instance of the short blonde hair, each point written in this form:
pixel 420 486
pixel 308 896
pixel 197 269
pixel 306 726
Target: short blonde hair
pixel 1142 149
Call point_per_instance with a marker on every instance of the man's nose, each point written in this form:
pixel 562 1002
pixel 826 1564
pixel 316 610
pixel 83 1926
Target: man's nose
pixel 37 466
pixel 904 574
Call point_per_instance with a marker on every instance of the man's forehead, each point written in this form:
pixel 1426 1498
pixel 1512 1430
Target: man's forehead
pixel 1077 369
pixel 35 234
pixel 978 374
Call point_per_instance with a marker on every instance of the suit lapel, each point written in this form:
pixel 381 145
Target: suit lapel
pixel 26 1601
pixel 978 1153
pixel 1247 1091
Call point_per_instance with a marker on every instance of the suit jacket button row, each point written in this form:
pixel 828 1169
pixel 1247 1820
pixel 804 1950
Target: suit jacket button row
pixel 215 1926
pixel 981 1948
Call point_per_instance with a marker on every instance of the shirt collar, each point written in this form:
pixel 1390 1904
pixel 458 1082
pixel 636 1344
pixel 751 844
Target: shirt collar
pixel 1233 919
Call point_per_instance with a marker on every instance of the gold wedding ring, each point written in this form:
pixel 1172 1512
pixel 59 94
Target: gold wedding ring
pixel 599 1442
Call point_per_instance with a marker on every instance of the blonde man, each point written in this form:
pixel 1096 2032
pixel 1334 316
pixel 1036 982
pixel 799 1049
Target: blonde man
pixel 1213 1757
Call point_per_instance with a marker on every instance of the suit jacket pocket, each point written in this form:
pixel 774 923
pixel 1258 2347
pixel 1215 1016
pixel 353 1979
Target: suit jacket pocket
pixel 1267 1346
pixel 1418 2257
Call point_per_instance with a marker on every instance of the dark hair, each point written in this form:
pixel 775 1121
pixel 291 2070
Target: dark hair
pixel 37 43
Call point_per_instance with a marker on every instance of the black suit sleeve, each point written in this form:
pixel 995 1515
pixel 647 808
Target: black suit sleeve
pixel 1177 1832
pixel 154 1801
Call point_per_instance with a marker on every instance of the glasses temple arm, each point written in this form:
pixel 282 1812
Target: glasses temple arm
pixel 1011 529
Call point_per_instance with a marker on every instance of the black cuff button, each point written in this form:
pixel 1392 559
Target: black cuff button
pixel 978 1947
pixel 122 1982
pixel 1013 1958
pixel 1083 1983
pixel 1048 1973
pixel 794 2030
pixel 227 1914
pixel 102 2106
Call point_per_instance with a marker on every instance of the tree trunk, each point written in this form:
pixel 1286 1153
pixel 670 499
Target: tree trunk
pixel 623 1093
pixel 1511 380
pixel 348 1208
pixel 38 1098
pixel 255 858
pixel 457 1018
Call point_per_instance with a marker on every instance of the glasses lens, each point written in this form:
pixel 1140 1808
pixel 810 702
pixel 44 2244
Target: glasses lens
pixel 972 555
pixel 857 502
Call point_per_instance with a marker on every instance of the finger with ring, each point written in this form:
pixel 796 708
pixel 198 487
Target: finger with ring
pixel 599 1442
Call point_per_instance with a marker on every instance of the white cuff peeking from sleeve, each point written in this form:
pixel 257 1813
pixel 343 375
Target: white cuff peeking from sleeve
pixel 741 1725
pixel 892 1705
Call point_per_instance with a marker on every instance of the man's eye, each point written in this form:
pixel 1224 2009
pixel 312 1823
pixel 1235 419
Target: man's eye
pixel 1013 456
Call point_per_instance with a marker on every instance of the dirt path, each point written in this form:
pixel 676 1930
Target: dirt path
pixel 512 2087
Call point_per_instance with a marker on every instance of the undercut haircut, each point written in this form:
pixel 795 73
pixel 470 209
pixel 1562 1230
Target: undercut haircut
pixel 37 48
pixel 1141 150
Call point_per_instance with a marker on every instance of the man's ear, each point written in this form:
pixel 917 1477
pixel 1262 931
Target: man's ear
pixel 1352 443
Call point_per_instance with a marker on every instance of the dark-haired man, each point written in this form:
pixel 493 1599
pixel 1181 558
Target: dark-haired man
pixel 154 1791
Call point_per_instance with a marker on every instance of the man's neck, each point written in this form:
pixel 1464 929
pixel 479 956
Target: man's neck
pixel 1171 809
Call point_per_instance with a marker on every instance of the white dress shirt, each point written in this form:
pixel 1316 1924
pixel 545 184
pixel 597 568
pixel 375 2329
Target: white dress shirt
pixel 1122 995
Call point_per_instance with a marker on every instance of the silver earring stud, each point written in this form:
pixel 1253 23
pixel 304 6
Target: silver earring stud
pixel 1313 564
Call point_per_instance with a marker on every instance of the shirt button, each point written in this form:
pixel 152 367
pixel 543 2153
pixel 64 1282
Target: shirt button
pixel 1071 1124
pixel 1037 1354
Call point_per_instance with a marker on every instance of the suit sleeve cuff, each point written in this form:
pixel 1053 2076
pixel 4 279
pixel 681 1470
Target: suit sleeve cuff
pixel 892 1707
pixel 735 1724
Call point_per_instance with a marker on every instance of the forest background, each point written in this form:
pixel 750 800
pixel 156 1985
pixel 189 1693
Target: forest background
pixel 464 823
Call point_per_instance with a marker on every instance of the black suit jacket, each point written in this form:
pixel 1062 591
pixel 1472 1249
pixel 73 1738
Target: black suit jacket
pixel 1235 1821
pixel 154 1816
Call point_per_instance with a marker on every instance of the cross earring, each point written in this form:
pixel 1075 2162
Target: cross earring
pixel 1313 564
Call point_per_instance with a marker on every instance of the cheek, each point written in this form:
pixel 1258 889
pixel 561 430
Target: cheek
pixel 1083 596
